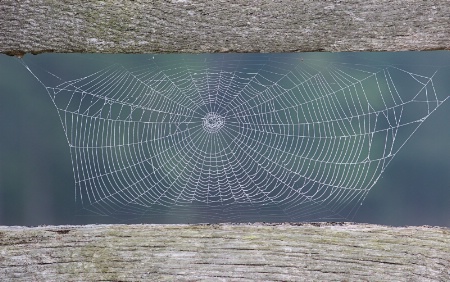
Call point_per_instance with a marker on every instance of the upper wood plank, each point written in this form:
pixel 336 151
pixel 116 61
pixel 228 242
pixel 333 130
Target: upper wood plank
pixel 205 26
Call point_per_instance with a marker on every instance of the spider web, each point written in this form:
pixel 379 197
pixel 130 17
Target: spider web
pixel 236 137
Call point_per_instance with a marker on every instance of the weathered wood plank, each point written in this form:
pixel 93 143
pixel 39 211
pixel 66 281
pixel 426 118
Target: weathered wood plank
pixel 222 26
pixel 282 252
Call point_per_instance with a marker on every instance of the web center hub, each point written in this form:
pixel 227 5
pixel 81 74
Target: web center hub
pixel 213 122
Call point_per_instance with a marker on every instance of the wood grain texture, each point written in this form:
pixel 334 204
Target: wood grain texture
pixel 232 252
pixel 186 26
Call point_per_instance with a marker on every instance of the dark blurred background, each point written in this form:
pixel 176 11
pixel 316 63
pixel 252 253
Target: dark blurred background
pixel 36 179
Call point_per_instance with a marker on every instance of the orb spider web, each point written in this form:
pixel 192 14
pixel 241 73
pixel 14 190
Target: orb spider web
pixel 236 137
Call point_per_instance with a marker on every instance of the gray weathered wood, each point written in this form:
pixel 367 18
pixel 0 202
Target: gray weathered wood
pixel 282 252
pixel 222 26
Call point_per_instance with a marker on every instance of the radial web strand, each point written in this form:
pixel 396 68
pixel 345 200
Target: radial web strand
pixel 236 137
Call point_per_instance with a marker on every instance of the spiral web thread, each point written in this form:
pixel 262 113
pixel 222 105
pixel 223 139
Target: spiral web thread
pixel 236 138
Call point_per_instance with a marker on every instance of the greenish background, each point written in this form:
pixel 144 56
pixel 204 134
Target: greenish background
pixel 37 185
